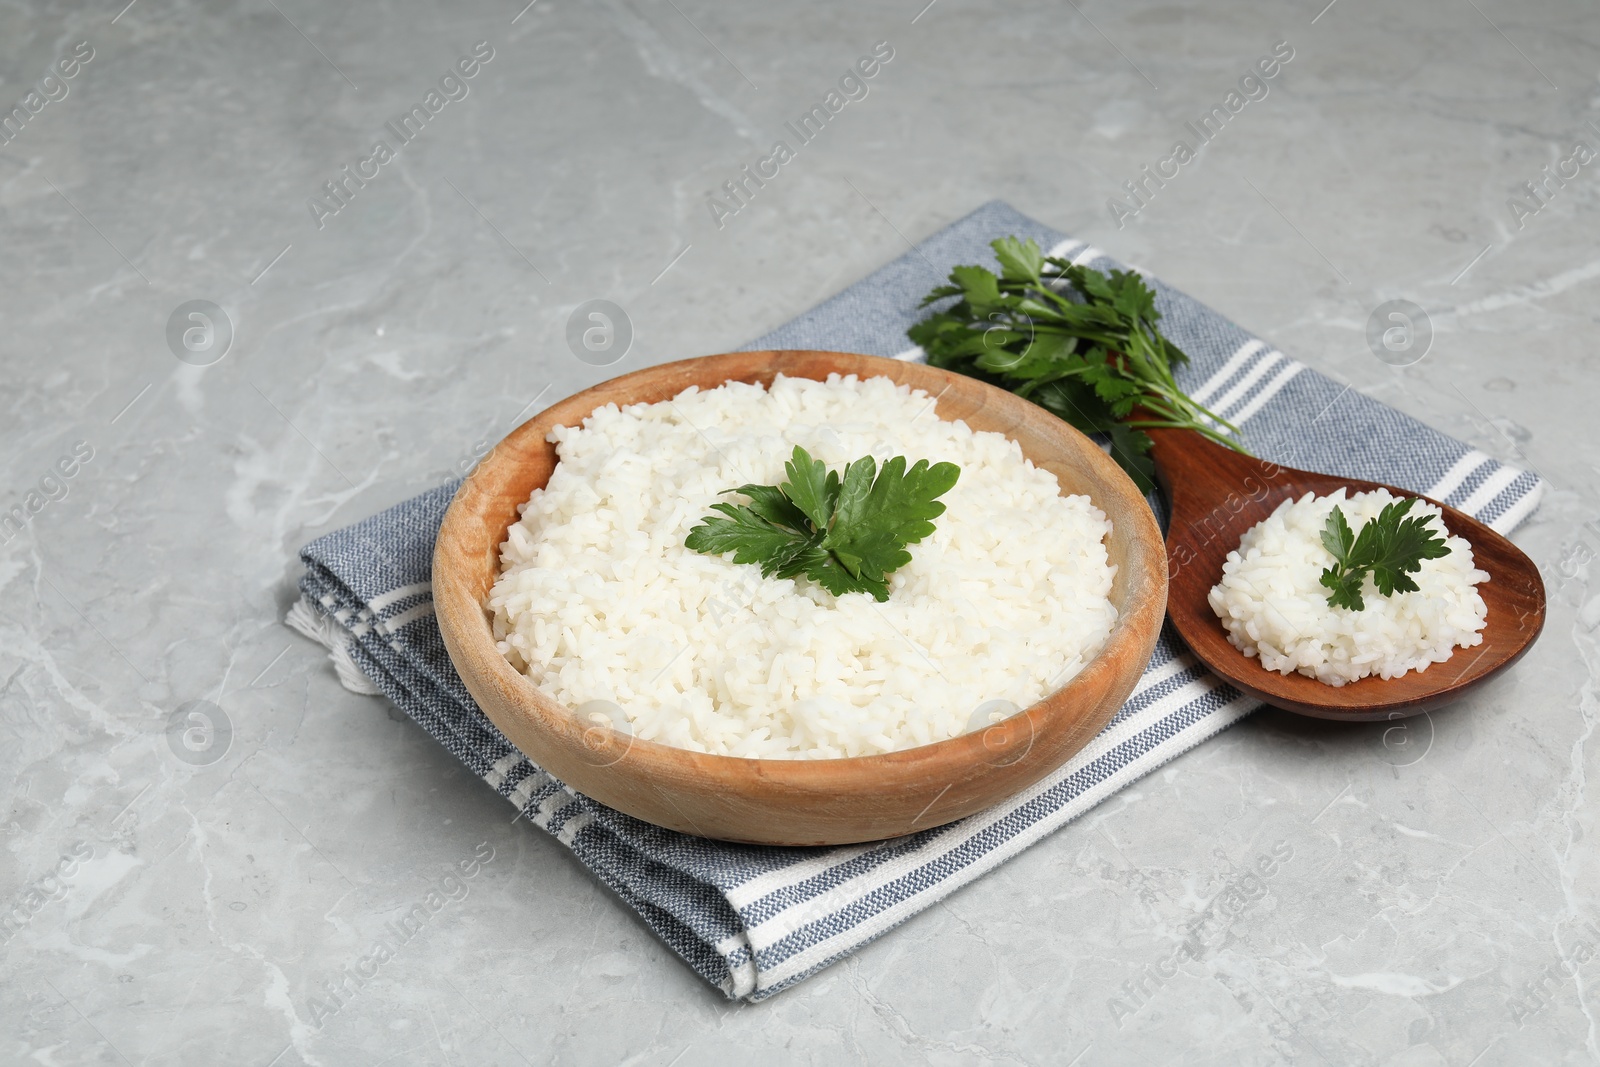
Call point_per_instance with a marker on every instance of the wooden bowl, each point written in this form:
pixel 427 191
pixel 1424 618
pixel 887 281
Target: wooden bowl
pixel 782 801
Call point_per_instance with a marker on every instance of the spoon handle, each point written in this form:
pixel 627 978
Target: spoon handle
pixel 1202 478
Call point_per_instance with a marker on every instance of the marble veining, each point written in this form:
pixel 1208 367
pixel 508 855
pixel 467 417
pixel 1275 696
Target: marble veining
pixel 212 853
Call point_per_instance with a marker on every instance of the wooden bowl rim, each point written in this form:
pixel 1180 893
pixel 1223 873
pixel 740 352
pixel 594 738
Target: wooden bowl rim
pixel 470 642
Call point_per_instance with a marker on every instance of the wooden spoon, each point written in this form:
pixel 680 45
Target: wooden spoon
pixel 1217 494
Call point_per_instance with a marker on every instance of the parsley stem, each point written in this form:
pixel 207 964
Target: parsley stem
pixel 1081 343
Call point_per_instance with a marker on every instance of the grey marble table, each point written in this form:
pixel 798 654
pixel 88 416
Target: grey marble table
pixel 1433 898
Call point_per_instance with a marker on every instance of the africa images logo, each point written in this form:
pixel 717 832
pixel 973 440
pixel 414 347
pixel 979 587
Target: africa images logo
pixel 345 986
pixel 44 889
pixel 343 188
pixel 49 89
pixel 1254 84
pixel 53 485
pixel 853 87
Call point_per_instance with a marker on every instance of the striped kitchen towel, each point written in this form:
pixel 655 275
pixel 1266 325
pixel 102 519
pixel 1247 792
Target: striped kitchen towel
pixel 755 920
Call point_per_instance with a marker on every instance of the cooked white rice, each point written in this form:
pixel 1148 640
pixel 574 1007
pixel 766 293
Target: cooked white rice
pixel 1273 605
pixel 598 598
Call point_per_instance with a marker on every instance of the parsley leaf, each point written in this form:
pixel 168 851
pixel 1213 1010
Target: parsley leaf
pixel 846 534
pixel 811 487
pixel 1399 546
pixel 1390 547
pixel 1081 344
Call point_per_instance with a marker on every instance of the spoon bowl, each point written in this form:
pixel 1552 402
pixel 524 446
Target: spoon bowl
pixel 1216 494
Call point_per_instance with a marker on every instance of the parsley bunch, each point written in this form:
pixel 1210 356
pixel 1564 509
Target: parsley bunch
pixel 1096 361
pixel 846 534
pixel 1390 547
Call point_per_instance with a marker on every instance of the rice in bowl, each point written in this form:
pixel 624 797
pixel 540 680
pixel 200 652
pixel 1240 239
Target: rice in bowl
pixel 1272 602
pixel 599 599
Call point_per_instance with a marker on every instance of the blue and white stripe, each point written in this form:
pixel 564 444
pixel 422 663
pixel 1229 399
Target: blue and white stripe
pixel 753 921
